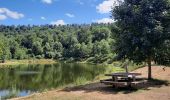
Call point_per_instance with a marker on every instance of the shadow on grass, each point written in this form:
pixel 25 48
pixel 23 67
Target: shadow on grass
pixel 105 89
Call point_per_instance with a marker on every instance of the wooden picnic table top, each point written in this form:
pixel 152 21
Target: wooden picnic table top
pixel 123 74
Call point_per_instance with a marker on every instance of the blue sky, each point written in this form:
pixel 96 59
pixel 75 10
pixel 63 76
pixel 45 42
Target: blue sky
pixel 38 12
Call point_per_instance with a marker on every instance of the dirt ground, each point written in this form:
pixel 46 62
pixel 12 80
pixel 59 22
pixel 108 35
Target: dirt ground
pixel 98 91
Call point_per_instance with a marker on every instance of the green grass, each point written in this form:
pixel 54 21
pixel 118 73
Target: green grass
pixel 28 61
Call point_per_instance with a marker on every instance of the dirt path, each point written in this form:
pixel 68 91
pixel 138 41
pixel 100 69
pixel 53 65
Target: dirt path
pixel 97 91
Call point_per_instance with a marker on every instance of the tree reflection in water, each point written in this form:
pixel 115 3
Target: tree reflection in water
pixel 22 80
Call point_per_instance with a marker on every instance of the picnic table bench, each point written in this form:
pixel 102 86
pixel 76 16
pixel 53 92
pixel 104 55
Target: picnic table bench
pixel 122 79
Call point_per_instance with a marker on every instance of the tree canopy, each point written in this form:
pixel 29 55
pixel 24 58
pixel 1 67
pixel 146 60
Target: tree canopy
pixel 75 42
pixel 143 31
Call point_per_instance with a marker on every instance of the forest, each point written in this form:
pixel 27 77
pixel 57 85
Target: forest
pixel 91 42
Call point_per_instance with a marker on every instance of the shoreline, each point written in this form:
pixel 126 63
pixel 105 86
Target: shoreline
pixel 28 61
pixel 44 61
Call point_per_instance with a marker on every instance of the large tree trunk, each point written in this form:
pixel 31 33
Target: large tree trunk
pixel 149 69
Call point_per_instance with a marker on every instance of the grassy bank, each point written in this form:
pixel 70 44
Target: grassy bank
pixel 131 66
pixel 30 61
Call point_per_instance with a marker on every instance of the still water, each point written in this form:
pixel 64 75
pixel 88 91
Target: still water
pixel 23 80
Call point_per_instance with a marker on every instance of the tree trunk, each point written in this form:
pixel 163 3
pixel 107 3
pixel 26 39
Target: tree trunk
pixel 3 59
pixel 149 69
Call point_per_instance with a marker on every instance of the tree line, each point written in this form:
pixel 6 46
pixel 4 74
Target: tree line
pixel 75 42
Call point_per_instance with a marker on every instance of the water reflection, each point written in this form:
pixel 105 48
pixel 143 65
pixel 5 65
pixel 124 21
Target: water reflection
pixel 22 80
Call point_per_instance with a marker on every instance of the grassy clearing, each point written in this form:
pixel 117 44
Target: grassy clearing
pixel 131 66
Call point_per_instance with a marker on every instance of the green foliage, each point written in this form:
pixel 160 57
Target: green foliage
pixel 37 48
pixel 4 49
pixel 100 34
pixel 75 42
pixel 84 36
pixel 142 29
pixel 20 53
pixel 101 48
pixel 163 54
pixel 82 51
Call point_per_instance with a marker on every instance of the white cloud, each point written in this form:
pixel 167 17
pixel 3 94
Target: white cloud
pixel 2 17
pixel 106 6
pixel 58 22
pixel 47 1
pixel 11 14
pixel 43 18
pixel 69 15
pixel 104 20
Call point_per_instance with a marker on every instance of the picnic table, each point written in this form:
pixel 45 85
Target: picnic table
pixel 127 76
pixel 122 79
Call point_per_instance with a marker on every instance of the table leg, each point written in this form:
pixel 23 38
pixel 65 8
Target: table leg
pixel 134 79
pixel 114 78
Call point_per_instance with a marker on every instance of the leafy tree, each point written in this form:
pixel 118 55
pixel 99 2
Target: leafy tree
pixel 13 46
pixel 163 54
pixel 37 48
pixel 105 47
pixel 28 40
pixel 4 49
pixel 58 48
pixel 82 50
pixel 100 33
pixel 84 36
pixel 20 53
pixel 101 48
pixel 142 29
pixel 48 51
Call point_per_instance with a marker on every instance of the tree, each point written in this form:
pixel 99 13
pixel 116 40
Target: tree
pixel 37 48
pixel 20 53
pixel 82 50
pixel 2 48
pixel 142 29
pixel 162 57
pixel 48 51
pixel 100 33
pixel 101 48
pixel 83 36
pixel 58 48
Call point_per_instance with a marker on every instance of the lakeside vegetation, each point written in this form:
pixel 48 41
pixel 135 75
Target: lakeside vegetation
pixel 70 42
pixel 28 61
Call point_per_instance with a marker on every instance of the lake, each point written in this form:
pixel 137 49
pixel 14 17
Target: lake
pixel 23 80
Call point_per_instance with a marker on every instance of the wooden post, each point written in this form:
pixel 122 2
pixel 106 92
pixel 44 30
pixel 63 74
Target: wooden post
pixel 126 66
pixel 115 78
pixel 134 78
pixel 149 69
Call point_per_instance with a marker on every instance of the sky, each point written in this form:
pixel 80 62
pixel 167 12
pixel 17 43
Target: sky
pixel 58 12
